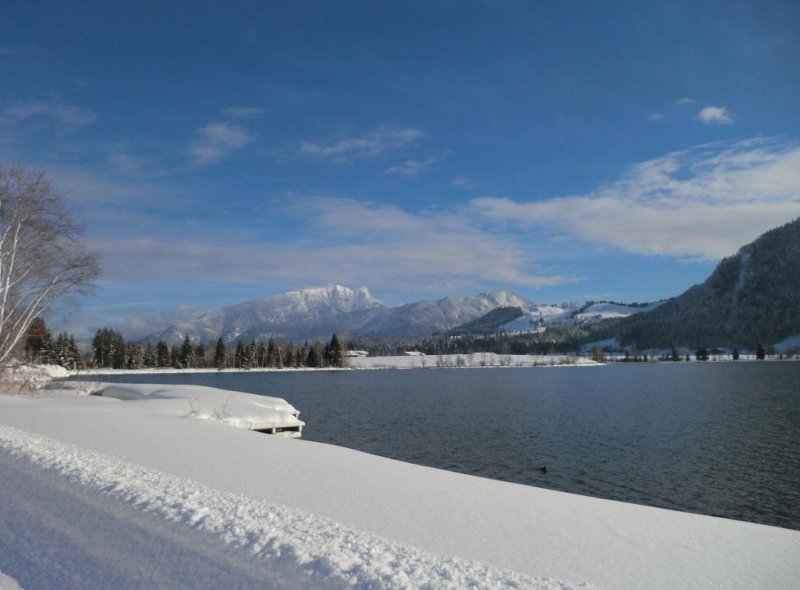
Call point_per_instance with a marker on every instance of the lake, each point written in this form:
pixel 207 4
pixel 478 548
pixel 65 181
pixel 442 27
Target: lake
pixel 714 438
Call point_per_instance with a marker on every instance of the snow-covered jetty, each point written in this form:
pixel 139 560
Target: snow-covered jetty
pixel 261 413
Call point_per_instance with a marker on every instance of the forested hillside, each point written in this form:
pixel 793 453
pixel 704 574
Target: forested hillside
pixel 752 297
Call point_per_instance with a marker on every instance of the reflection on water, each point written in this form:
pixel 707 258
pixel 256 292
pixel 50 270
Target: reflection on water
pixel 714 438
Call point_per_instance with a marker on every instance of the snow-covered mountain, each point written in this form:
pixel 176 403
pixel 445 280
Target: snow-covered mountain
pixel 427 317
pixel 319 312
pixel 537 318
pixel 306 313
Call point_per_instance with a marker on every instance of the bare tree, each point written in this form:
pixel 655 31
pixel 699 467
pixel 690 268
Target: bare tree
pixel 43 257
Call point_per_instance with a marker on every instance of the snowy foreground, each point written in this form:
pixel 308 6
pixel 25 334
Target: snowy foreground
pixel 142 492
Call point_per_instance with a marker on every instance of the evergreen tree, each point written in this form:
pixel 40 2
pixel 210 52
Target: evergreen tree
pixel 760 353
pixel 175 357
pixel 199 357
pixel 219 355
pixel 239 355
pixel 149 356
pixel 335 352
pixel 162 355
pixel 250 355
pixel 290 356
pixel 118 353
pixel 135 356
pixel 108 349
pixel 185 357
pixel 261 354
pixel 312 360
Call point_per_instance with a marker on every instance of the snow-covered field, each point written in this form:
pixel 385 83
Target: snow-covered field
pixel 98 492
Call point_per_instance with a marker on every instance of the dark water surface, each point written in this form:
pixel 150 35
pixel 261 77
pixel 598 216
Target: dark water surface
pixel 714 438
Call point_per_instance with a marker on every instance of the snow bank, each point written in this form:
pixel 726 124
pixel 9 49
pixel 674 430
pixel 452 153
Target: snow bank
pixel 235 408
pixel 313 515
pixel 35 375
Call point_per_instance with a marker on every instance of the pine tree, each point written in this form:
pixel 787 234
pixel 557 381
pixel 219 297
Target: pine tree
pixel 185 358
pixel 250 355
pixel 162 355
pixel 135 356
pixel 73 354
pixel 239 355
pixel 199 356
pixel 312 360
pixel 261 354
pixel 149 357
pixel 219 355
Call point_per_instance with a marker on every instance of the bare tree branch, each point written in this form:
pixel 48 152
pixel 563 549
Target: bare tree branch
pixel 43 257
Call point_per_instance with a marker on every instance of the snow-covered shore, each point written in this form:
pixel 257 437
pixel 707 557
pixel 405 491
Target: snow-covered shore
pixel 476 360
pixel 97 490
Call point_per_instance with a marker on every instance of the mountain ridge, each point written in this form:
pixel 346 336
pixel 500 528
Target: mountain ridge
pixel 751 298
pixel 317 312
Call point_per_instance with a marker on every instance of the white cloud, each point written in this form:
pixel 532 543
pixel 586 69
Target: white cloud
pixel 243 112
pixel 715 116
pixel 685 101
pixel 702 203
pixel 462 182
pixel 656 117
pixel 125 162
pixel 412 167
pixel 67 117
pixel 337 240
pixel 371 145
pixel 217 141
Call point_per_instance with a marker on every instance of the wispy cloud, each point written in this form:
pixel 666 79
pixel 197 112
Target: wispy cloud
pixel 243 112
pixel 462 182
pixel 701 203
pixel 685 101
pixel 656 117
pixel 217 141
pixel 715 116
pixel 338 240
pixel 370 145
pixel 412 168
pixel 125 162
pixel 66 117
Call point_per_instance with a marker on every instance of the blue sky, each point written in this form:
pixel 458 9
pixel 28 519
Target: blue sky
pixel 563 150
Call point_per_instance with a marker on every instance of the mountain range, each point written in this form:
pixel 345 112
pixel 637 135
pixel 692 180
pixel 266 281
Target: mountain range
pixel 751 297
pixel 310 314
